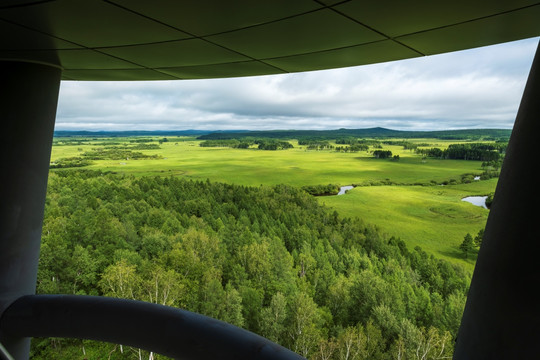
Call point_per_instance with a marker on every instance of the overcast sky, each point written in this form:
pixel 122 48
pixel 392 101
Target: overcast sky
pixel 478 88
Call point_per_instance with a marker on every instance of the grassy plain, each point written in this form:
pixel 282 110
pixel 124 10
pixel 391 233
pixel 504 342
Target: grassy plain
pixel 433 217
pixel 297 166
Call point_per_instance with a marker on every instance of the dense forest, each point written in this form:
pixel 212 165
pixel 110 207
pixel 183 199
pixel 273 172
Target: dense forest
pixel 262 144
pixel 474 151
pixel 269 259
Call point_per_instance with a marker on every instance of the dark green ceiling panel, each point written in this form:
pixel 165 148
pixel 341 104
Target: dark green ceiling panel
pixel 407 17
pixel 249 68
pixel 224 15
pixel 176 53
pixel 506 27
pixel 91 23
pixel 72 59
pixel 29 39
pixel 110 39
pixel 39 56
pixel 331 2
pixel 320 30
pixel 387 50
pixel 13 3
pixel 110 75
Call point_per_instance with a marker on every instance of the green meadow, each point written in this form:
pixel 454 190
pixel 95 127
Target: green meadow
pixel 296 166
pixel 432 217
pixel 403 198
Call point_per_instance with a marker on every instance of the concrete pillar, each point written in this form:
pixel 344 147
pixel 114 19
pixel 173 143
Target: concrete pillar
pixel 502 314
pixel 27 113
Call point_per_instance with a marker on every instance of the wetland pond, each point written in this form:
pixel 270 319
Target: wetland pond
pixel 344 189
pixel 476 200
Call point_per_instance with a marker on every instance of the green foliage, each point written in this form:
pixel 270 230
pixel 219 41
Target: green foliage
pixel 263 144
pixel 467 245
pixel 382 154
pixel 315 144
pixel 476 151
pixel 432 152
pixel 144 146
pixel 70 162
pixel 232 143
pixel 407 145
pixel 273 144
pixel 321 190
pixel 479 238
pixel 352 148
pixel 116 153
pixel 489 200
pixel 269 259
pixel 489 153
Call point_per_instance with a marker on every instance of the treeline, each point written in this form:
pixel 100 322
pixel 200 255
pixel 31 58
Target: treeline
pixel 382 154
pixel 144 146
pixel 356 141
pixel 70 142
pixel 70 162
pixel 355 145
pixel 271 144
pixel 474 151
pixel 352 148
pixel 377 132
pixel 141 140
pixel 231 143
pixel 269 259
pixel 106 153
pixel 316 144
pixel 116 154
pixel 466 178
pixel 407 145
pixel 263 144
pixel 111 146
pixel 322 190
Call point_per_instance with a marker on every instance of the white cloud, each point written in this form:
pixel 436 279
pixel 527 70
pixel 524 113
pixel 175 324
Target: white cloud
pixel 469 89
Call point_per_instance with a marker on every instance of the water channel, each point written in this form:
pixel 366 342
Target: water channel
pixel 476 200
pixel 344 189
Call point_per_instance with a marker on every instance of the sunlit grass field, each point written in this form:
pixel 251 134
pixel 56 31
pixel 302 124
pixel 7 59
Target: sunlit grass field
pixel 431 216
pixel 296 166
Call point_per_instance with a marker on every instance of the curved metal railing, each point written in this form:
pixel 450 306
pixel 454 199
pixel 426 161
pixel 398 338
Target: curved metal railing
pixel 165 330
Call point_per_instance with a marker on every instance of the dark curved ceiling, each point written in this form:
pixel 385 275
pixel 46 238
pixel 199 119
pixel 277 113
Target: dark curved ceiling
pixel 190 39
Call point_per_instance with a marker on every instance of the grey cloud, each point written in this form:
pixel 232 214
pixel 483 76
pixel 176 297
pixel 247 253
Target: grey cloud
pixel 475 88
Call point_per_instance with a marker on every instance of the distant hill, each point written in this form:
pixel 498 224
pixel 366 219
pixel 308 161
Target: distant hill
pixel 376 132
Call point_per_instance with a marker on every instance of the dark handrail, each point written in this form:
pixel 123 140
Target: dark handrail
pixel 165 330
pixel 4 355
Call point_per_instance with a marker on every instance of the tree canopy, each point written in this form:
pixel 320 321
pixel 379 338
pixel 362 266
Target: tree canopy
pixel 269 259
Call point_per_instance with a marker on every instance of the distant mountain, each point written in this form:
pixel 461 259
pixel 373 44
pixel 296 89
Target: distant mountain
pixel 376 132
